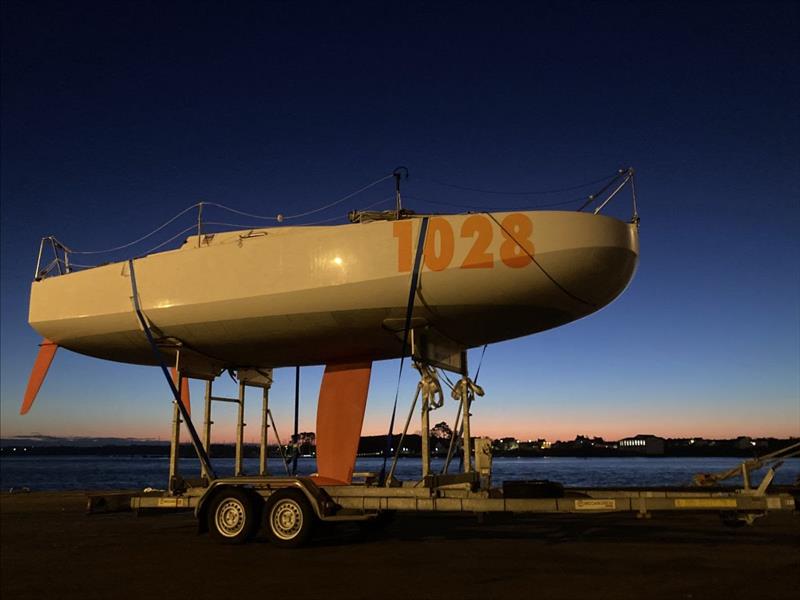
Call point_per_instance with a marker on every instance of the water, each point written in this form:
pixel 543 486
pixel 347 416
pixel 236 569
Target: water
pixel 40 473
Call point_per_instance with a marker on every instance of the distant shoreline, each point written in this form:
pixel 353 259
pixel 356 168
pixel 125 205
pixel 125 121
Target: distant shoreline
pixel 252 451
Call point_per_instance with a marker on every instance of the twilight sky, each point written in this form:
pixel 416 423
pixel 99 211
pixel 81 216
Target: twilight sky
pixel 115 116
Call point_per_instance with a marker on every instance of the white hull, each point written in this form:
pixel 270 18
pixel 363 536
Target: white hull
pixel 313 295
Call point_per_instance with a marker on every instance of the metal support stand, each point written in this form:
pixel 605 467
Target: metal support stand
pixel 207 423
pixel 466 401
pixel 174 445
pixel 296 436
pixel 263 466
pixel 280 444
pixel 240 425
pixel 432 398
pixel 175 442
pixel 464 391
pixel 452 446
pixel 426 438
pixel 431 391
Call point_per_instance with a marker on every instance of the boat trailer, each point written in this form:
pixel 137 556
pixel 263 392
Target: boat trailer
pixel 233 509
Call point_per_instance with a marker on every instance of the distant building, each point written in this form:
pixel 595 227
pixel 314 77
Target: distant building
pixel 643 443
pixel 508 444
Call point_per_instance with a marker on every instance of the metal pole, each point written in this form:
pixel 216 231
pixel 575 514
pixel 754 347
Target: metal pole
pixel 280 444
pixel 403 436
pixel 55 252
pixel 398 201
pixel 199 223
pixel 175 441
pixel 262 463
pixel 39 260
pixel 426 438
pixel 207 422
pixel 614 193
pixel 453 439
pixel 467 442
pixel 66 258
pixel 239 469
pixel 296 419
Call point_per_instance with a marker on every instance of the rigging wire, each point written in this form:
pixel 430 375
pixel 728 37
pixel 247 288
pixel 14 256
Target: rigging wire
pixel 144 237
pixel 621 174
pixel 173 238
pixel 342 199
pixel 373 205
pixel 278 218
pixel 239 225
pixel 480 363
pixel 240 212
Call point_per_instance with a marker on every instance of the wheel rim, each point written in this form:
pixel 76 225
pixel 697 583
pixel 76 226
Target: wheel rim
pixel 286 519
pixel 230 517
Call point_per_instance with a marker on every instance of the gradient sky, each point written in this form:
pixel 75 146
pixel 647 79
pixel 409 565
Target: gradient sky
pixel 115 116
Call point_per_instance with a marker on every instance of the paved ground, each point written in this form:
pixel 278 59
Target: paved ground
pixel 51 549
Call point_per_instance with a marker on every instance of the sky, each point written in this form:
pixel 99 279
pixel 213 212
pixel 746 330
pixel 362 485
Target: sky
pixel 116 116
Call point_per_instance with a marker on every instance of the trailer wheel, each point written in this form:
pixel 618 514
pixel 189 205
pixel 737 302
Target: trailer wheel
pixel 290 518
pixel 232 516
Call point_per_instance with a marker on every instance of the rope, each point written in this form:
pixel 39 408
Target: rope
pixel 536 262
pixel 430 386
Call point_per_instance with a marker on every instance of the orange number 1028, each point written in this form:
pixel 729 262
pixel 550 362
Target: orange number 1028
pixel 516 248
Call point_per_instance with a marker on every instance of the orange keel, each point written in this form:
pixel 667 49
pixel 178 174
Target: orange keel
pixel 340 415
pixel 47 350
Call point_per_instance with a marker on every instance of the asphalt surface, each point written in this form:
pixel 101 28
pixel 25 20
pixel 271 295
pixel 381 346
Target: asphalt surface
pixel 49 548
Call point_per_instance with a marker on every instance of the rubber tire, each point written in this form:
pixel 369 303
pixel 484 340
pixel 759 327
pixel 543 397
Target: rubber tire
pixel 301 518
pixel 233 501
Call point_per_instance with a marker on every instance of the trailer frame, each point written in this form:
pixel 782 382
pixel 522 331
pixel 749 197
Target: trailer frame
pixel 234 508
